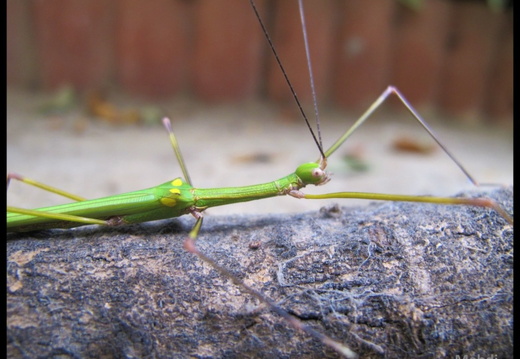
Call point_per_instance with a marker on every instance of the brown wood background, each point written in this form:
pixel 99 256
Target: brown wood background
pixel 454 57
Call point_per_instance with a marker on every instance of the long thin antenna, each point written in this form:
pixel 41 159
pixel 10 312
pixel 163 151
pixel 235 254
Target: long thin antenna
pixel 309 67
pixel 266 34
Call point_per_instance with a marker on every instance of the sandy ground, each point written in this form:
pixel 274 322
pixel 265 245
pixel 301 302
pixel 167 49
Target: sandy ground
pixel 238 145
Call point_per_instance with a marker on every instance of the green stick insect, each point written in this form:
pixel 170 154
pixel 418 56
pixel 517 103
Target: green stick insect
pixel 178 196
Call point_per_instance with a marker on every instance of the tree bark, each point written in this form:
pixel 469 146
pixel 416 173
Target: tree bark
pixel 396 280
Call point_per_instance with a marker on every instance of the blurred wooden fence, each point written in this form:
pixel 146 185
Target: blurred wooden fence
pixel 455 57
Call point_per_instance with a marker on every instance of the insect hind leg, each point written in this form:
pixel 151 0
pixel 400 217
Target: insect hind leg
pixel 45 187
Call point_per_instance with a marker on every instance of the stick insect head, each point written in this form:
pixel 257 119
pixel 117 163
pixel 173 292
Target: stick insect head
pixel 312 173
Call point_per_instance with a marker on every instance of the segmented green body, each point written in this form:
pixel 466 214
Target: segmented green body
pixel 171 199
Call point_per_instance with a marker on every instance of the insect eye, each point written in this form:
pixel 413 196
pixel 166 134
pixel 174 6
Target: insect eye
pixel 317 173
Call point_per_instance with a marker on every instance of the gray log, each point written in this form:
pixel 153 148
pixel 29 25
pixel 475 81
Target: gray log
pixel 391 280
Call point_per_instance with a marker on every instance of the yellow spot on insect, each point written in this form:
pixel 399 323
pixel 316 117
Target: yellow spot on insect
pixel 167 201
pixel 177 182
pixel 175 191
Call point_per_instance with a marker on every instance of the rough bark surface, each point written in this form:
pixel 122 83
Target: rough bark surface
pixel 394 280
